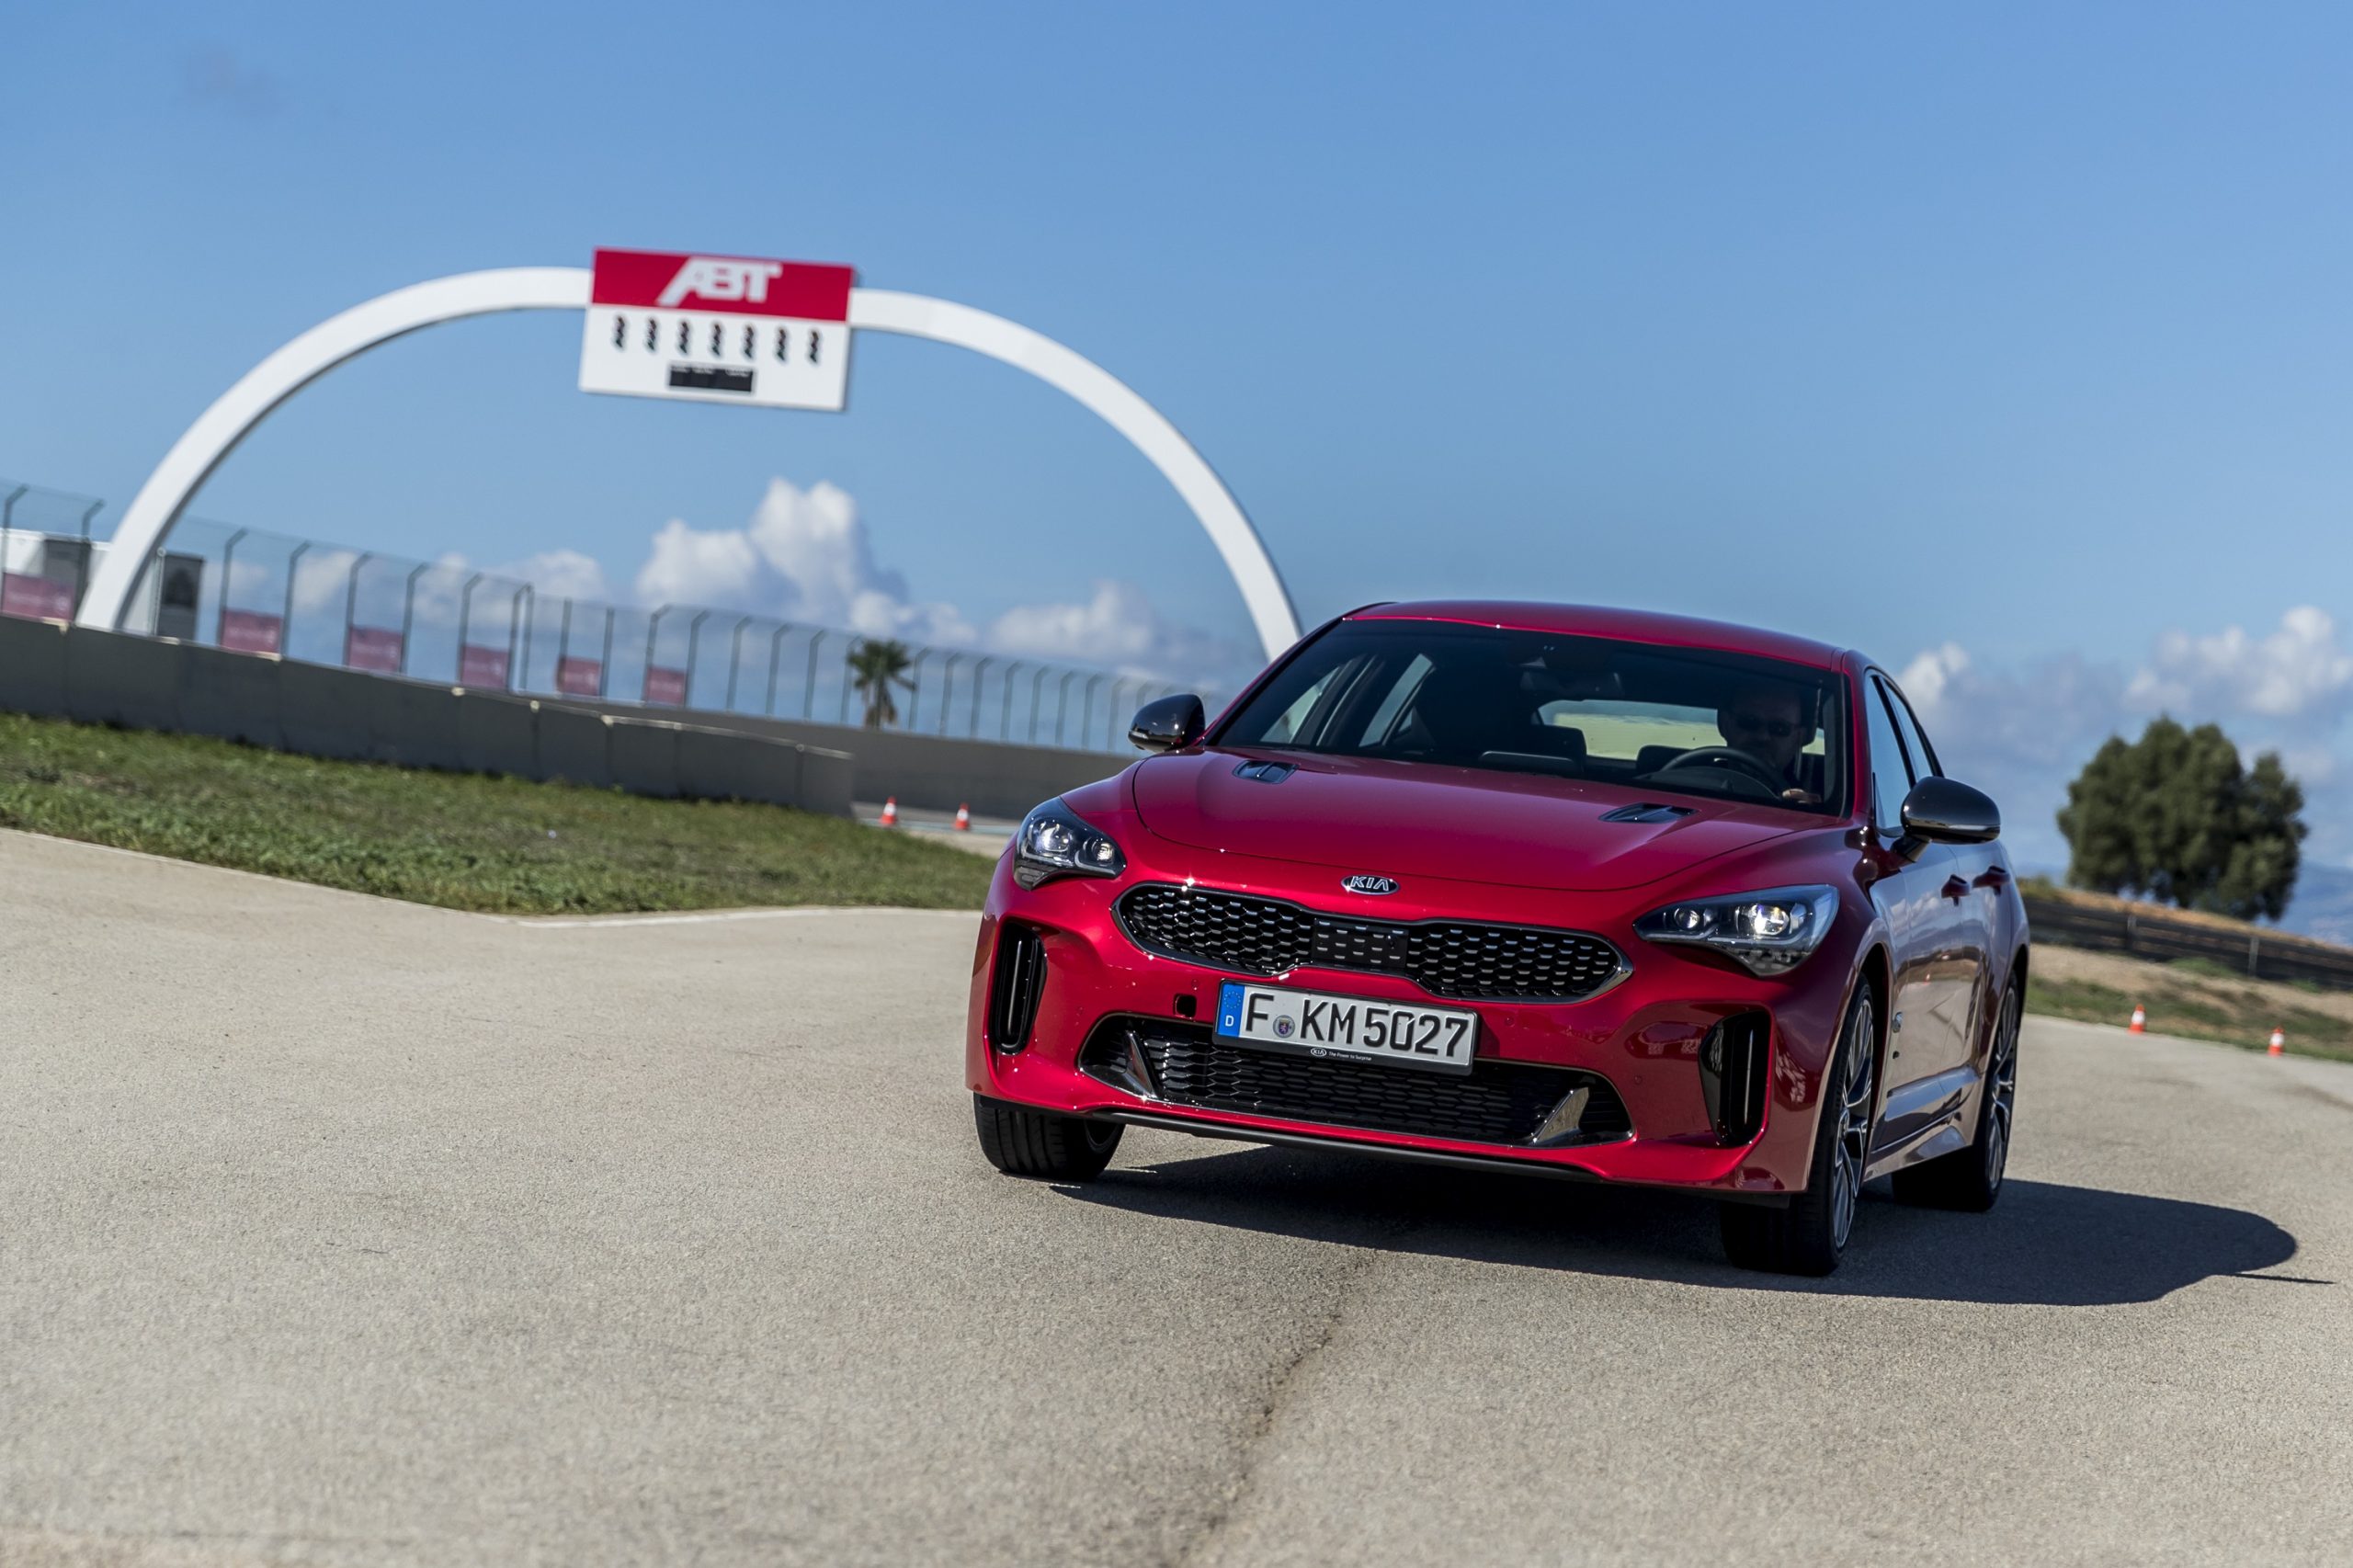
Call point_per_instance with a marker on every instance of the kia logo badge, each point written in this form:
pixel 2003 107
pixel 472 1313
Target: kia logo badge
pixel 1361 882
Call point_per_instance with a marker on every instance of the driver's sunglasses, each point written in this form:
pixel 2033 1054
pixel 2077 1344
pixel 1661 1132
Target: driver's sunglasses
pixel 1748 724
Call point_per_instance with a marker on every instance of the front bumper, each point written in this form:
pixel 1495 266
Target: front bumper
pixel 1642 1037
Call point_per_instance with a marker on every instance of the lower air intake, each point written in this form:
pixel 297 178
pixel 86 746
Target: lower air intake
pixel 1496 1102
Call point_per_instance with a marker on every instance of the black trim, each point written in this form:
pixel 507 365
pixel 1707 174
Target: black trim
pixel 1016 982
pixel 1734 1070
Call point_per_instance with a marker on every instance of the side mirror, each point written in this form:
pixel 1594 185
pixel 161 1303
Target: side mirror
pixel 1169 723
pixel 1945 811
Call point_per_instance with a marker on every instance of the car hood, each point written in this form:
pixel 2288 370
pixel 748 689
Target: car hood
pixel 1400 819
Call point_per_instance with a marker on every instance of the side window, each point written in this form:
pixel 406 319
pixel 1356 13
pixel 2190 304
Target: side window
pixel 1891 775
pixel 1923 756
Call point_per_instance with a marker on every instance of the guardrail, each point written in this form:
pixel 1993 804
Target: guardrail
pixel 2155 936
pixel 253 592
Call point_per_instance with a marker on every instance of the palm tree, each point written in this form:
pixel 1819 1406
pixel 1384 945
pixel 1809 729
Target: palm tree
pixel 874 666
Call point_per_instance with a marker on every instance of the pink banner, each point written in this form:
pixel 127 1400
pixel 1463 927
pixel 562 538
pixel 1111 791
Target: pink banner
pixel 580 678
pixel 248 631
pixel 372 648
pixel 36 599
pixel 478 665
pixel 666 686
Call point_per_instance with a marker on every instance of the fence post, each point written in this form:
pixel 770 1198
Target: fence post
pixel 408 609
pixel 736 659
pixel 2132 932
pixel 694 636
pixel 776 651
pixel 809 693
pixel 653 631
pixel 1035 700
pixel 351 600
pixel 2254 955
pixel 81 566
pixel 604 662
pixel 980 679
pixel 947 694
pixel 228 570
pixel 525 603
pixel 1005 720
pixel 286 624
pixel 1061 704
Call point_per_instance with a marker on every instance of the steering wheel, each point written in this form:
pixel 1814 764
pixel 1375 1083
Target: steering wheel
pixel 1731 758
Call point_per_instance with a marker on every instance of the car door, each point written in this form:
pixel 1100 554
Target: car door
pixel 1923 1040
pixel 1970 904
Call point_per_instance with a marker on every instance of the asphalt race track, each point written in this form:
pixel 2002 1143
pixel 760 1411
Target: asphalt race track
pixel 347 1231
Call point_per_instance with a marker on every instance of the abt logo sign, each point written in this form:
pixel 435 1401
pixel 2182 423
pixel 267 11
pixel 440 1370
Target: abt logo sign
pixel 718 329
pixel 716 280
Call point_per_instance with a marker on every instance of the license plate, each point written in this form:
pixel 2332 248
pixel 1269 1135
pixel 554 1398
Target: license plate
pixel 1309 1023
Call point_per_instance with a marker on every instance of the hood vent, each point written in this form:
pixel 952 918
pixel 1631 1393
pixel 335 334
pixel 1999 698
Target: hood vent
pixel 1265 772
pixel 1648 811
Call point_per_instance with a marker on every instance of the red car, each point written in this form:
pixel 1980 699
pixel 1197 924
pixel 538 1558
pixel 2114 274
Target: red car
pixel 1579 893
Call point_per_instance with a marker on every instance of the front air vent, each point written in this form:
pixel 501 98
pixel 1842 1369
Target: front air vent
pixel 1647 811
pixel 1732 1076
pixel 1496 1102
pixel 1018 981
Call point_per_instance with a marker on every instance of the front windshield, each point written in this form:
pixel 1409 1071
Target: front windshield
pixel 1669 721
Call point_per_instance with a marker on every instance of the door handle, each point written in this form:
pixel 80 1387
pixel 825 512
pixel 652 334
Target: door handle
pixel 1993 877
pixel 1955 889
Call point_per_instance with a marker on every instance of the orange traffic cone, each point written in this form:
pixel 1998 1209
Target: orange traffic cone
pixel 963 819
pixel 890 811
pixel 2140 1024
pixel 2279 1039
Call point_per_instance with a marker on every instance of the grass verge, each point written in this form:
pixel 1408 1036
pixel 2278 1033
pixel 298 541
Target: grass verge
pixel 462 841
pixel 2193 1005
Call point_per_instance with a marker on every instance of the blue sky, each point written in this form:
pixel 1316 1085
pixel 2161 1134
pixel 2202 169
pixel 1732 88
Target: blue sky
pixel 2016 336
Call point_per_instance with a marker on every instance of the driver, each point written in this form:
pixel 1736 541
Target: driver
pixel 1768 721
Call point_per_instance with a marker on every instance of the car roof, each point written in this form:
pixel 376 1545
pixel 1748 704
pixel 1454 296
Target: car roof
pixel 1627 625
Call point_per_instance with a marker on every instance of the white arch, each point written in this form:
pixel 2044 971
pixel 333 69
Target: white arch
pixel 197 452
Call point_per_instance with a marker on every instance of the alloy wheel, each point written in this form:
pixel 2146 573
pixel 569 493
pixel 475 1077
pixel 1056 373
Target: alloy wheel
pixel 2001 1080
pixel 1853 1124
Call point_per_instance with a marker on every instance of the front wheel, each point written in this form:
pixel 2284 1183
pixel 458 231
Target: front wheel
pixel 1971 1180
pixel 1808 1236
pixel 1024 1143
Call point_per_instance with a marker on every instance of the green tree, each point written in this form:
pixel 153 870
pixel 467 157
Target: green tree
pixel 874 668
pixel 2175 817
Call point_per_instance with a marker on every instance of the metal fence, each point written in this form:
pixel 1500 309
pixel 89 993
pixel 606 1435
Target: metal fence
pixel 253 591
pixel 2258 954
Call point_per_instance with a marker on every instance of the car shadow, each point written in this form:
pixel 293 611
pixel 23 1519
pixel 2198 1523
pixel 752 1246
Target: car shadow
pixel 2045 1244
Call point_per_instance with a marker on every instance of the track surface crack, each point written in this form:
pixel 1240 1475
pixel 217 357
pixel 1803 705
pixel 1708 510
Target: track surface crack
pixel 1204 1542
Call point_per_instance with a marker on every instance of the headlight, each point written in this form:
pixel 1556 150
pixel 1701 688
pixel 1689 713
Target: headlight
pixel 1055 841
pixel 1769 933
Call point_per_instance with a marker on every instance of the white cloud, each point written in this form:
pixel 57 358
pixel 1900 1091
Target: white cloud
pixel 2299 670
pixel 558 573
pixel 1117 627
pixel 2022 732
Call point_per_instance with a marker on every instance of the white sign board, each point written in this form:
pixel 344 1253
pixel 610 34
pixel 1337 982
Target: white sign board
pixel 718 329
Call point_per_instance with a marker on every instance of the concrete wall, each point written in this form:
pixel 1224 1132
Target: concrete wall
pixel 990 777
pixel 144 683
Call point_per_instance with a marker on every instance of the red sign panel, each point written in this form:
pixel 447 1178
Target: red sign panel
pixel 722 285
pixel 36 599
pixel 249 632
pixel 666 686
pixel 580 678
pixel 372 648
pixel 482 666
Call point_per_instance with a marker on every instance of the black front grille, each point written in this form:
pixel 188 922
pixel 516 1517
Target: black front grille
pixel 1496 1102
pixel 1247 935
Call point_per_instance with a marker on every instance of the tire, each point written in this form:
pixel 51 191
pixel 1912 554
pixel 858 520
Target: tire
pixel 1808 1236
pixel 1971 1180
pixel 1024 1143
